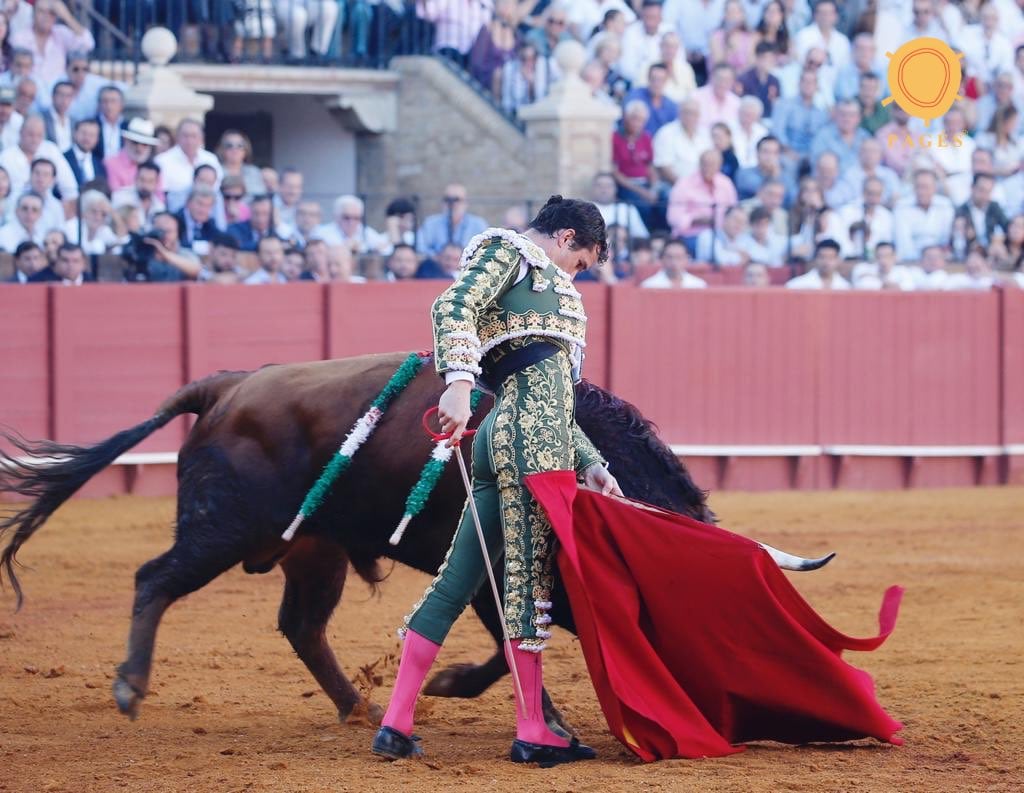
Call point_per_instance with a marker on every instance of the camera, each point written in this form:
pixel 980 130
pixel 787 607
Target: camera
pixel 137 253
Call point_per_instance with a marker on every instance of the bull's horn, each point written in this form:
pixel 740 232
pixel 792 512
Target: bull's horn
pixel 789 562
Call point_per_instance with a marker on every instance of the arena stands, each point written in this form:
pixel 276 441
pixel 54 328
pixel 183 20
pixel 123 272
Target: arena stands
pixel 753 132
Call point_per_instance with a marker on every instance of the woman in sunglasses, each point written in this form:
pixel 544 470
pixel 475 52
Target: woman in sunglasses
pixel 235 154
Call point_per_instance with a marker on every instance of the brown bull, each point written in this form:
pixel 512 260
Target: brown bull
pixel 260 440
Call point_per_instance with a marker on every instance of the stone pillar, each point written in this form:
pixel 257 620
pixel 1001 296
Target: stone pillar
pixel 568 132
pixel 160 94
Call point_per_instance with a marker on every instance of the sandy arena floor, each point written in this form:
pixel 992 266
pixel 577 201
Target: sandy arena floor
pixel 233 710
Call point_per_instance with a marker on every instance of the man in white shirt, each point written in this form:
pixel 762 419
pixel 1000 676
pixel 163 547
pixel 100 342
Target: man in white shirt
pixel 822 33
pixel 725 246
pixel 17 160
pixel 586 15
pixel 112 120
pixel 602 193
pixel 748 131
pixel 762 243
pixel 641 43
pixel 82 158
pixel 178 164
pixel 825 274
pixel 10 119
pixel 931 275
pixel 271 258
pixel 987 52
pixel 924 220
pixel 952 161
pixel 867 222
pixel 87 85
pixel 678 145
pixel 884 273
pixel 695 20
pixel 673 275
pixel 144 194
pixel 869 165
pixel 57 118
pixel 348 229
pixel 978 273
pixel 25 225
pixel 41 181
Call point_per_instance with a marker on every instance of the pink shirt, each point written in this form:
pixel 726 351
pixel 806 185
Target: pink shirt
pixel 713 110
pixel 49 64
pixel 121 170
pixel 691 198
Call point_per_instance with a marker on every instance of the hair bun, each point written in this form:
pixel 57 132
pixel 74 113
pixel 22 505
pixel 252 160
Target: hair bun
pixel 555 199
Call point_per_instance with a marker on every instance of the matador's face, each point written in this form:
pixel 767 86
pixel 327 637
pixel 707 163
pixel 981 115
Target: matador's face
pixel 570 260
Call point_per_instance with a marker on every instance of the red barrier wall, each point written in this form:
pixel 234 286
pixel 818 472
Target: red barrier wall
pixel 711 367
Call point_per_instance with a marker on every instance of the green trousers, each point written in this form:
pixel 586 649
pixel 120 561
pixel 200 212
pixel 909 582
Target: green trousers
pixel 529 430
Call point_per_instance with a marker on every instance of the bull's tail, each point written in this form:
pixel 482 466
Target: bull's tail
pixel 49 473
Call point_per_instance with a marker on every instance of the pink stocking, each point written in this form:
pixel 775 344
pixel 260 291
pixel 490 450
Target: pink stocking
pixel 531 726
pixel 418 655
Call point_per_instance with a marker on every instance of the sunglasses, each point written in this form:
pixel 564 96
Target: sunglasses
pixel 558 22
pixel 79 69
pixel 351 217
pixel 234 144
pixel 233 196
pixel 453 199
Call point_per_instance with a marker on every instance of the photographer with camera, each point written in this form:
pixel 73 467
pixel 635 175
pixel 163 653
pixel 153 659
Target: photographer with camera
pixel 158 255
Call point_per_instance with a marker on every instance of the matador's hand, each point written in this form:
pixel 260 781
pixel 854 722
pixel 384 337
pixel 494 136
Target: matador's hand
pixel 453 411
pixel 597 477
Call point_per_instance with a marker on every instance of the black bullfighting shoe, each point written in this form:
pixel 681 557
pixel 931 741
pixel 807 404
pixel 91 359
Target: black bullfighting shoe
pixel 392 744
pixel 549 756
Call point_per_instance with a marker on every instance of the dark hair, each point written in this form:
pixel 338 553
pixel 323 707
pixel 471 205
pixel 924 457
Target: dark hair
pixel 759 214
pixel 782 37
pixel 981 175
pixel 763 47
pixel 826 244
pixel 401 246
pixel 70 247
pixel 259 199
pixel 42 160
pixel 580 216
pixel 884 244
pixel 268 237
pixel 768 139
pixel 203 167
pixel 107 88
pixel 82 121
pixel 400 206
pixel 224 240
pixel 25 247
pixel 149 165
pixel 60 83
pixel 672 243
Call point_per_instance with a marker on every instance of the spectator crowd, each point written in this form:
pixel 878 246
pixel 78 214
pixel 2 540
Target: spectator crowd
pixel 755 139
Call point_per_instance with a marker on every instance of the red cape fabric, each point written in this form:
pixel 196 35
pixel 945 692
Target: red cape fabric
pixel 695 639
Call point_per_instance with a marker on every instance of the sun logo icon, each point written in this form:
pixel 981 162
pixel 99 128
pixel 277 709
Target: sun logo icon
pixel 924 78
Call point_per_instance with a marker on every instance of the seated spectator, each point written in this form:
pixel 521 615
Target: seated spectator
pixel 25 227
pixel 308 218
pixel 93 231
pixel 318 262
pixel 515 218
pixel 259 226
pixel 57 119
pixel 952 163
pixel 894 138
pixel 721 140
pixel 1008 192
pixel 349 230
pixel 826 171
pixel 923 22
pixel 607 53
pixel 178 164
pixel 315 17
pixel 874 115
pixel 718 101
pixel 223 263
pixel 235 155
pixel 29 259
pixel 923 220
pixel 700 201
pixel 796 120
pixel 10 119
pixel 758 81
pixel 455 224
pixel 977 275
pixel 843 136
pixel 17 160
pixel 931 274
pixel 1000 97
pixel 457 23
pixel 164 139
pixel 554 30
pixel 725 246
pixel 824 274
pixel 679 80
pixel 791 73
pixel 49 42
pixel 26 90
pixel 402 263
pixel 1003 141
pixel 287 197
pixel 6 202
pixel 748 131
pixel 86 165
pixel 602 193
pixel 1010 256
pixel 869 164
pixel 294 265
pixel 69 270
pixel 139 146
pixel 52 240
pixel 171 261
pixel 42 178
pixel 884 272
pixel 270 253
pixel 755 275
pixel 400 221
pixel 203 176
pixel 641 41
pixel 733 43
pixel 87 85
pixel 495 45
pixel 762 243
pixel 445 265
pixel 660 109
pixel 768 167
pixel 672 275
pixel 633 156
pixel 230 206
pixel 987 51
pixel 867 222
pixel 678 145
pixel 255 23
pixel 985 223
pixel 143 193
pixel 343 267
pixel 774 28
pixel 595 77
pixel 863 61
pixel 195 220
pixel 823 33
pixel 111 120
pixel 588 16
pixel 524 79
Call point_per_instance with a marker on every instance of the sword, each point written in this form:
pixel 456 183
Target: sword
pixel 440 436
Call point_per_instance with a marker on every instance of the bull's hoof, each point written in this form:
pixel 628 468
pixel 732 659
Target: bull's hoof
pixel 375 713
pixel 128 699
pixel 455 681
pixel 361 712
pixel 557 722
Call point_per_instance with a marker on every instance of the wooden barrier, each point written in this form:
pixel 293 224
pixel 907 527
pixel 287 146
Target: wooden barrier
pixel 755 388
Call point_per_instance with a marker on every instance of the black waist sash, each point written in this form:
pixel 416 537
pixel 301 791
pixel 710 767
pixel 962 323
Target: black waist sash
pixel 495 373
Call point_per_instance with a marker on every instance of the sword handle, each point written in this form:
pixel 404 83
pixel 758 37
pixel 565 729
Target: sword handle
pixel 442 436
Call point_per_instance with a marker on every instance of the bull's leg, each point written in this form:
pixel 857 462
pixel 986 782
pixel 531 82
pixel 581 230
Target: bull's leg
pixel 315 572
pixel 186 567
